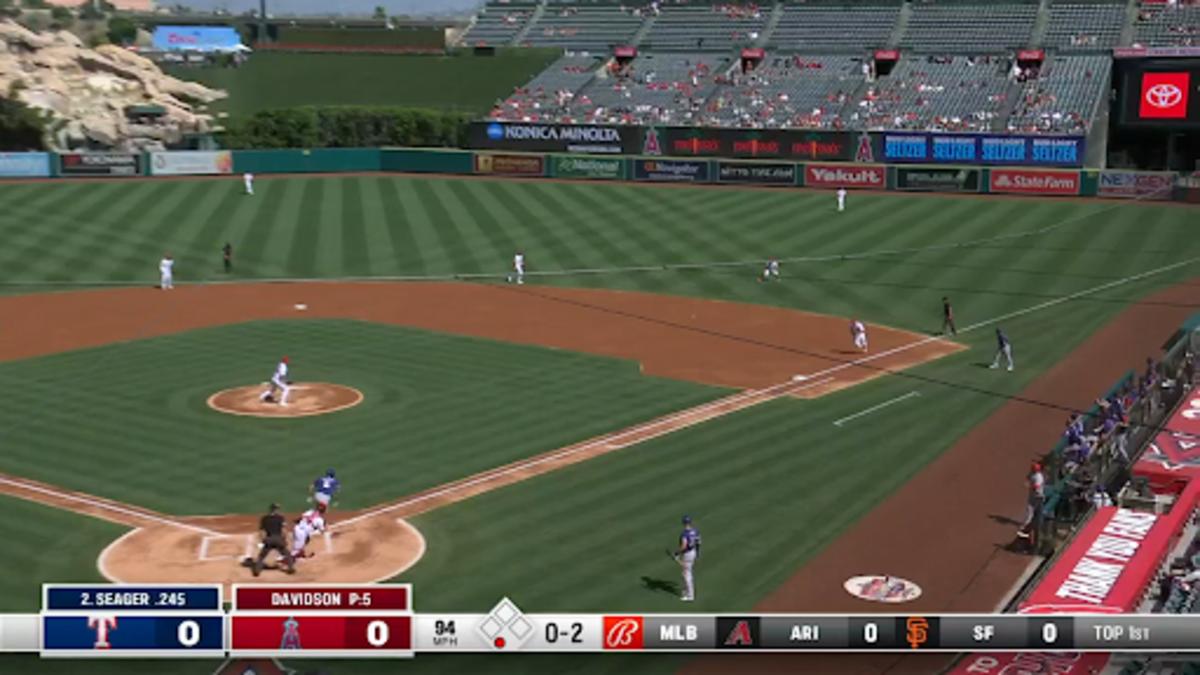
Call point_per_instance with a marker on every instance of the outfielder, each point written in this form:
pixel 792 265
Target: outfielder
pixel 324 488
pixel 166 267
pixel 518 274
pixel 1003 348
pixel 279 382
pixel 841 197
pixel 771 270
pixel 248 181
pixel 686 555
pixel 310 522
pixel 859 333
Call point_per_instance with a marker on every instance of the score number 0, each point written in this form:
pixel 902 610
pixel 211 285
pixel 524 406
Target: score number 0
pixel 188 633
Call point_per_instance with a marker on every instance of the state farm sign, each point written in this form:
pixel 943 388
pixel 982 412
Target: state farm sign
pixel 871 177
pixel 1026 181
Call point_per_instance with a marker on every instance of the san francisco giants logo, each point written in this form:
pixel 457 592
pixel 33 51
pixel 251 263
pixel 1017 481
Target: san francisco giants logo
pixel 622 632
pixel 102 625
pixel 1164 95
pixel 916 631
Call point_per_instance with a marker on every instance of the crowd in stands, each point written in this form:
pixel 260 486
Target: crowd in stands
pixel 1061 97
pixel 786 92
pixel 936 92
pixel 551 95
pixel 1177 24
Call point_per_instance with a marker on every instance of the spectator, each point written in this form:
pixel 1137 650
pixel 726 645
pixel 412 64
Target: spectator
pixel 1035 499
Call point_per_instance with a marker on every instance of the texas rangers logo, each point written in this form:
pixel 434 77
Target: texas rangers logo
pixel 102 625
pixel 291 634
pixel 1164 95
pixel 623 632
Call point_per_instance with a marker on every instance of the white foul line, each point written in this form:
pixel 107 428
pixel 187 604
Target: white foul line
pixel 876 407
pixel 110 507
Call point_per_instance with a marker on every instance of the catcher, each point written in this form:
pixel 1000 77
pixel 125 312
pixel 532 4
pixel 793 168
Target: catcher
pixel 279 383
pixel 273 540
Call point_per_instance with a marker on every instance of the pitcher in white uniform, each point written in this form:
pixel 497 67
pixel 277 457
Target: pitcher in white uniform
pixel 278 383
pixel 166 267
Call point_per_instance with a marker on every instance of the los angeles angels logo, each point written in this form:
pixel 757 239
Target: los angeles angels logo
pixel 651 145
pixel 865 154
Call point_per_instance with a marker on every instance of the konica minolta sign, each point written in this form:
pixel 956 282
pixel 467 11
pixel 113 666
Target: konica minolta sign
pixel 584 138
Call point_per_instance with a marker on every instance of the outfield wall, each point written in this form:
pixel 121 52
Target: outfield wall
pixel 938 178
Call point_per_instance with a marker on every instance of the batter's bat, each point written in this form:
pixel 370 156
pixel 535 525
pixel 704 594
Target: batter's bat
pixel 672 555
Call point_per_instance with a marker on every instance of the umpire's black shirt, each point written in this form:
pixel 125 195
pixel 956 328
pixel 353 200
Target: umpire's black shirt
pixel 272 524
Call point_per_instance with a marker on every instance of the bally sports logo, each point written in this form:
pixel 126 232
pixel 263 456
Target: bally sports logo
pixel 1164 95
pixel 1020 181
pixel 851 176
pixel 623 632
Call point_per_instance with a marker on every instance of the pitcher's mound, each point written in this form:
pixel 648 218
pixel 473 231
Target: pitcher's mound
pixel 304 399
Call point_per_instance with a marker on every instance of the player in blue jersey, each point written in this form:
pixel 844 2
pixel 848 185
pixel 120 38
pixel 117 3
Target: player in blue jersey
pixel 1003 348
pixel 324 488
pixel 686 555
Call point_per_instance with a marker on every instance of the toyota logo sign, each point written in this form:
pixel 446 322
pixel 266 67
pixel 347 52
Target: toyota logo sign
pixel 1164 95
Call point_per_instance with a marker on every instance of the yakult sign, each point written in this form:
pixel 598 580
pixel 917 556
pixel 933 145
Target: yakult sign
pixel 863 176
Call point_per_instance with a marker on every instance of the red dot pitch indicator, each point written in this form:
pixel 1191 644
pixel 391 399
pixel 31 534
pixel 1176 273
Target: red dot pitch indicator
pixel 499 643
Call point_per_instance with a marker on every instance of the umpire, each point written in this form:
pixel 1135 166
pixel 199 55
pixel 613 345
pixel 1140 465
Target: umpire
pixel 273 540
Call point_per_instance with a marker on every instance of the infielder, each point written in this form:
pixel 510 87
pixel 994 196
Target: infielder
pixel 310 522
pixel 686 555
pixel 858 332
pixel 279 382
pixel 1003 348
pixel 166 266
pixel 770 271
pixel 841 197
pixel 248 181
pixel 518 274
pixel 948 317
pixel 324 488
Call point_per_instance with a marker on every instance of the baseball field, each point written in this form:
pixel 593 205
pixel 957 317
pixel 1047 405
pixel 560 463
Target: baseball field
pixel 542 441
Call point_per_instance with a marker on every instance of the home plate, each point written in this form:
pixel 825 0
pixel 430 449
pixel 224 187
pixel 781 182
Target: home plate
pixel 799 378
pixel 300 306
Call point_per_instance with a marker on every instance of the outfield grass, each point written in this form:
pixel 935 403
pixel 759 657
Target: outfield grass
pixel 462 82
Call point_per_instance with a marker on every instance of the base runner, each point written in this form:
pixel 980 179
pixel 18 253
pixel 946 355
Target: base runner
pixel 324 488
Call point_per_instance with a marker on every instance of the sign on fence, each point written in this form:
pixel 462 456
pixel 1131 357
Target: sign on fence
pixel 938 180
pixel 871 177
pixel 589 167
pixel 1033 182
pixel 670 170
pixel 191 163
pixel 777 173
pixel 510 165
pixel 1136 185
pixel 99 164
pixel 982 149
pixel 758 143
pixel 25 164
pixel 535 137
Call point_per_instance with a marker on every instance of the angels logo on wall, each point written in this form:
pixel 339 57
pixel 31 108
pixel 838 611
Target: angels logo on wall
pixel 865 154
pixel 291 634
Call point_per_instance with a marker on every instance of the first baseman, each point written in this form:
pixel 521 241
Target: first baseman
pixel 166 267
pixel 686 555
pixel 279 382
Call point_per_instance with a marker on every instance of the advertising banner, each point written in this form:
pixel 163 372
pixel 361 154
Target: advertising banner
pixel 670 170
pixel 938 180
pixel 25 164
pixel 99 164
pixel 1033 182
pixel 1165 95
pixel 196 38
pixel 510 165
pixel 1136 185
pixel 869 177
pixel 777 173
pixel 1031 663
pixel 191 163
pixel 981 149
pixel 611 168
pixel 1173 458
pixel 535 137
pixel 754 143
pixel 1108 565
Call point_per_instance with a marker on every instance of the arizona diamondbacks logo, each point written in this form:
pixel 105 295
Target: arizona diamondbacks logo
pixel 865 154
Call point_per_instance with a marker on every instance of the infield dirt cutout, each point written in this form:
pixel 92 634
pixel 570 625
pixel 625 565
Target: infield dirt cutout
pixel 305 399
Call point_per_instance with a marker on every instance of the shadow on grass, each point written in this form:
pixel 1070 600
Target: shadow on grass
pixel 660 586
